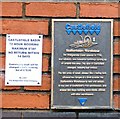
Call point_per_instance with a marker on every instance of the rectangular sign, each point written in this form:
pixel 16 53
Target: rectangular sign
pixel 23 60
pixel 82 62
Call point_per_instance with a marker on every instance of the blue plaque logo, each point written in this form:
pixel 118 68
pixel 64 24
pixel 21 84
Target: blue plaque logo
pixel 88 30
pixel 80 28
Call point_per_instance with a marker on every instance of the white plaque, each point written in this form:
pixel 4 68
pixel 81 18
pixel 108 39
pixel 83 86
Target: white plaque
pixel 23 60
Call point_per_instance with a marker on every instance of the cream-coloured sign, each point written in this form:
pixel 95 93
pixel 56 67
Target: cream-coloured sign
pixel 23 60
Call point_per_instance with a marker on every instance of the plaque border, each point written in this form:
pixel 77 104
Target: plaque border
pixel 52 68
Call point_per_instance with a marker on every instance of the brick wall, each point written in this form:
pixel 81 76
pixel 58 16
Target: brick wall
pixel 35 18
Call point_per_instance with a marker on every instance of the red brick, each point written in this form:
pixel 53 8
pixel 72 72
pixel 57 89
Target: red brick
pixel 2 62
pixel 116 67
pixel 2 85
pixel 45 64
pixel 117 101
pixel 11 9
pixel 45 84
pixel 116 84
pixel 116 29
pixel 47 45
pixel 2 44
pixel 50 9
pixel 0 99
pixel 117 47
pixel 1 81
pixel 25 27
pixel 107 10
pixel 25 100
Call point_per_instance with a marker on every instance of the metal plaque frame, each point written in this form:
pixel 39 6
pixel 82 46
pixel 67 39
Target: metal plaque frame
pixel 52 67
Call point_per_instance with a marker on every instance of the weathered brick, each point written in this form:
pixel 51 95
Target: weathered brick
pixel 45 63
pixel 107 10
pixel 12 9
pixel 2 84
pixel 99 115
pixel 116 29
pixel 45 84
pixel 46 45
pixel 49 115
pixel 116 67
pixel 2 62
pixel 116 83
pixel 11 114
pixel 46 9
pixel 117 101
pixel 25 100
pixel 25 27
pixel 117 47
pixel 2 44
